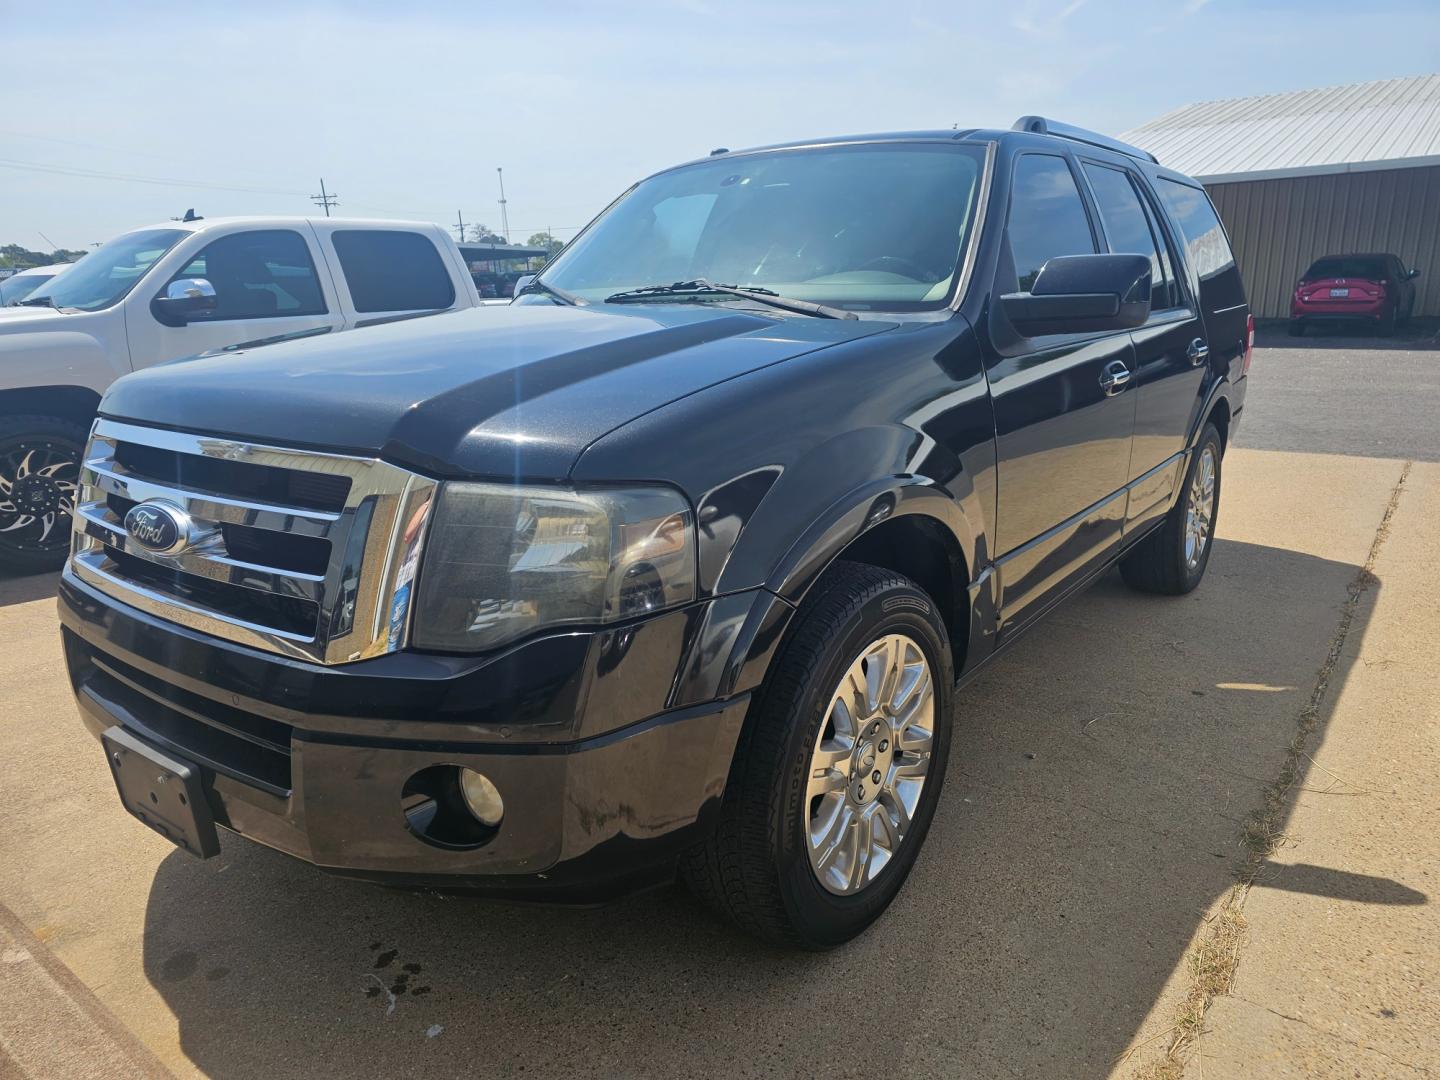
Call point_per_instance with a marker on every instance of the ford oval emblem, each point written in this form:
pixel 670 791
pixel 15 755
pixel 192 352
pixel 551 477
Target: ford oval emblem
pixel 158 527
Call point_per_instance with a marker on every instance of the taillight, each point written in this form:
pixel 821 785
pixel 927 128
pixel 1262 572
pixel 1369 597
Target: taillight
pixel 1249 343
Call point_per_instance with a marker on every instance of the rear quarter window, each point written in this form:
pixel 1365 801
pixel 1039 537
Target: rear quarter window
pixel 392 270
pixel 1207 249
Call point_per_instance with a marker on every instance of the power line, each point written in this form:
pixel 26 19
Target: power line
pixel 324 199
pixel 163 181
pixel 211 185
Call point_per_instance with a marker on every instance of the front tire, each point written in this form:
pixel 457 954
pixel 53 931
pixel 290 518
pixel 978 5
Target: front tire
pixel 839 767
pixel 1172 559
pixel 39 474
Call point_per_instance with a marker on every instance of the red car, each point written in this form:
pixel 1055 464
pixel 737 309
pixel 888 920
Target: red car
pixel 1374 288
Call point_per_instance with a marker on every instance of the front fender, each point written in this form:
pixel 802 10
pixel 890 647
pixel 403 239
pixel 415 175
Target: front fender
pixel 844 485
pixel 856 512
pixel 48 356
pixel 737 639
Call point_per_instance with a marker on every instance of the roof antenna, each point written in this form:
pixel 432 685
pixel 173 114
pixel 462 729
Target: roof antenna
pixel 719 150
pixel 190 215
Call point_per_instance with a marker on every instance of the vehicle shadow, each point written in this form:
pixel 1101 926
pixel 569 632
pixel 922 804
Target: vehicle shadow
pixel 22 590
pixel 1417 334
pixel 1101 773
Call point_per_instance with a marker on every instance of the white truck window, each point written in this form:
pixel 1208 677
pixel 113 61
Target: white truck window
pixel 267 273
pixel 392 270
pixel 104 278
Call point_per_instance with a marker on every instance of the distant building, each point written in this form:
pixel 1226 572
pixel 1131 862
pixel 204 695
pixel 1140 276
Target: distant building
pixel 1344 169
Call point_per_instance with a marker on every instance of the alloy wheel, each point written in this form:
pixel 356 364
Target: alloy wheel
pixel 870 763
pixel 1200 508
pixel 38 479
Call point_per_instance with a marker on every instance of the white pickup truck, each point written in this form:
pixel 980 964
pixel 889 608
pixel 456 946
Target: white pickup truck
pixel 175 290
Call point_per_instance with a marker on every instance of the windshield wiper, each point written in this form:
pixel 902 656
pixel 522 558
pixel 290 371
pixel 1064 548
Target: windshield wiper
pixel 559 294
pixel 702 286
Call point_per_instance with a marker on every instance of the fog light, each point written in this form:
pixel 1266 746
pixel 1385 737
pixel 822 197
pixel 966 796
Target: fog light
pixel 481 798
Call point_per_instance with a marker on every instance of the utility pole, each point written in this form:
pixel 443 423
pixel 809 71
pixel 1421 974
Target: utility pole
pixel 325 199
pixel 504 216
pixel 460 226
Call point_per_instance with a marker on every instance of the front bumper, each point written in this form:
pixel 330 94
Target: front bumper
pixel 605 779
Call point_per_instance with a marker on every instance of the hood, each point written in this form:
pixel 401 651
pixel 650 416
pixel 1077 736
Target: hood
pixel 514 391
pixel 27 320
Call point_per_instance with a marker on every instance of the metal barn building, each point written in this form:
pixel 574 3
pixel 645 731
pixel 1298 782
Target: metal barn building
pixel 1342 170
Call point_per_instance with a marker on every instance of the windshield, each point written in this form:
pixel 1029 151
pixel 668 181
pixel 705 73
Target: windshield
pixel 106 275
pixel 16 288
pixel 859 227
pixel 1356 266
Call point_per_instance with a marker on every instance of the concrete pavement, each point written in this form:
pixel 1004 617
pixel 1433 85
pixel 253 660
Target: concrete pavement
pixel 1102 775
pixel 1341 972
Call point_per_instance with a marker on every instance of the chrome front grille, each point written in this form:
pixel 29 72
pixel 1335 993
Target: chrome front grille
pixel 305 554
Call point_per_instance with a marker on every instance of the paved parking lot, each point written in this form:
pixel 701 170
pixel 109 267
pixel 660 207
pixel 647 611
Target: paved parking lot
pixel 1102 778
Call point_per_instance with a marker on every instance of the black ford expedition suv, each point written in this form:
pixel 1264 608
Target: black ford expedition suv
pixel 676 561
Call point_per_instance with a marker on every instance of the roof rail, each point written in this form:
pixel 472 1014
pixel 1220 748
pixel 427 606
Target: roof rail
pixel 1041 126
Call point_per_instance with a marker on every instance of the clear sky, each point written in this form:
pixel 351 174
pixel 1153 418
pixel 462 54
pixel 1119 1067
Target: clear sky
pixel 407 110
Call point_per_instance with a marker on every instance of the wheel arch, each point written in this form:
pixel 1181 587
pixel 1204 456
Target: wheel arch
pixel 1219 415
pixel 910 525
pixel 77 403
pixel 906 524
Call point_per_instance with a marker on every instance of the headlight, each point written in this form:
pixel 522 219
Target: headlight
pixel 501 561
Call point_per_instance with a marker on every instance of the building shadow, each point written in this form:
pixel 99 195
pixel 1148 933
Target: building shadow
pixel 1100 776
pixel 22 590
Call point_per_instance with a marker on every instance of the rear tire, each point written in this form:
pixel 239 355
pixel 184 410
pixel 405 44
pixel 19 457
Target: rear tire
pixel 800 855
pixel 1172 559
pixel 1386 326
pixel 39 474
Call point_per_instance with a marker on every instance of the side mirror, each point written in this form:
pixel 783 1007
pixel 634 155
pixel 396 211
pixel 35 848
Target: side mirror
pixel 1413 274
pixel 1081 294
pixel 183 300
pixel 522 283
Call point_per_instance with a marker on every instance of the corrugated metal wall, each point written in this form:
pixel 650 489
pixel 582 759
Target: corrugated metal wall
pixel 1279 227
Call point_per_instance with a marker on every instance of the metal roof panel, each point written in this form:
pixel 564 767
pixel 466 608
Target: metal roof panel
pixel 1389 123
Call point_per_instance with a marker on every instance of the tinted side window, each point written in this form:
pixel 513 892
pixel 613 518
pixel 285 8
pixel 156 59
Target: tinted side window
pixel 1206 247
pixel 266 274
pixel 1205 241
pixel 390 270
pixel 1128 226
pixel 1047 217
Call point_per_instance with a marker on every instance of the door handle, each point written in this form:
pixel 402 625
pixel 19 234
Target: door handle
pixel 1198 352
pixel 1114 377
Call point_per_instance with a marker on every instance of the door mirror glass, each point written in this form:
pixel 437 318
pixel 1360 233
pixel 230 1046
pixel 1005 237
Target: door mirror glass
pixel 184 299
pixel 1081 294
pixel 1413 274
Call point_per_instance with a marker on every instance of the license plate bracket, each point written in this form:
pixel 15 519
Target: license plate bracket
pixel 162 792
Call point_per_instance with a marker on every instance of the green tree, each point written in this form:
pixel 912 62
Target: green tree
pixel 14 256
pixel 545 240
pixel 483 234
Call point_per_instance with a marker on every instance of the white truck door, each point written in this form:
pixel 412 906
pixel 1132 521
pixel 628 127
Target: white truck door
pixel 385 271
pixel 268 282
